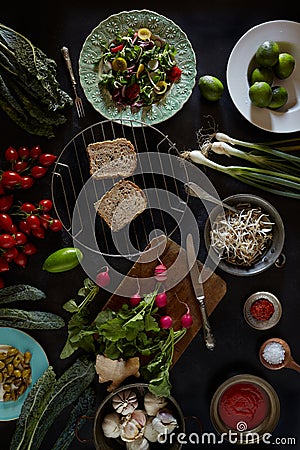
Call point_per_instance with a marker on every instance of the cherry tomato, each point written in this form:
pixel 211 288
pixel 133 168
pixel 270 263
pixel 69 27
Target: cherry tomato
pixel 23 225
pixel 11 154
pixel 55 225
pixel 2 191
pixel 6 202
pixel 5 222
pixel 10 178
pixel 29 249
pixel 4 266
pixel 117 48
pixel 2 283
pixel 45 205
pixel 26 182
pixel 24 152
pixel 45 220
pixel 21 260
pixel 10 254
pixel 13 229
pixel 35 152
pixel 38 232
pixel 47 159
pixel 38 171
pixel 33 221
pixel 20 238
pixel 19 166
pixel 28 208
pixel 7 241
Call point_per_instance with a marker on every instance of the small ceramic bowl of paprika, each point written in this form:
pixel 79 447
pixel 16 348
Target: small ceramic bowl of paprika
pixel 262 310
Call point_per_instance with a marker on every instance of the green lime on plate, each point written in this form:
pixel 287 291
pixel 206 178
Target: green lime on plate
pixel 267 54
pixel 279 97
pixel 210 87
pixel 262 74
pixel 284 66
pixel 260 94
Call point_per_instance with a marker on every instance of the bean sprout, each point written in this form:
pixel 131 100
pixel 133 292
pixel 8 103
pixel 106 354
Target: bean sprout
pixel 241 237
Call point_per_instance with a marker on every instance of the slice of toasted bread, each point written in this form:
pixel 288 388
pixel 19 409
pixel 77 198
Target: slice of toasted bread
pixel 121 204
pixel 112 159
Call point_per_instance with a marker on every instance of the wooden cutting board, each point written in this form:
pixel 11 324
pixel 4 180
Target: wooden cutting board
pixel 172 256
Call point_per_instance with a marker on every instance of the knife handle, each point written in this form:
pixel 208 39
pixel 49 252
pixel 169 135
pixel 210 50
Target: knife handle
pixel 208 336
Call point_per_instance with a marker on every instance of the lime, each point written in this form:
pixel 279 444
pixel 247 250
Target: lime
pixel 210 87
pixel 279 97
pixel 267 54
pixel 119 64
pixel 284 66
pixel 260 94
pixel 262 74
pixel 62 260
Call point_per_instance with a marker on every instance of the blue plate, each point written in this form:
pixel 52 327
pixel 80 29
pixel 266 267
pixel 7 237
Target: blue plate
pixel 39 362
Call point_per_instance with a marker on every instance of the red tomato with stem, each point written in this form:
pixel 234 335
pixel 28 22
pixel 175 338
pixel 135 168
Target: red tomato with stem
pixel 33 221
pixel 38 232
pixel 20 238
pixel 26 182
pixel 7 241
pixel 5 222
pixel 21 260
pixel 6 202
pixel 45 205
pixel 38 171
pixel 28 208
pixel 29 249
pixel 10 178
pixel 24 152
pixel 35 152
pixel 11 154
pixel 47 159
pixel 4 266
pixel 55 225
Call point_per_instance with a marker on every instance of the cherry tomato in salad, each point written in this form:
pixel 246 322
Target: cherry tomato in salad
pixel 117 48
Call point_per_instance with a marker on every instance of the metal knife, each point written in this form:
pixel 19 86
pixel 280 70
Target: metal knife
pixel 199 292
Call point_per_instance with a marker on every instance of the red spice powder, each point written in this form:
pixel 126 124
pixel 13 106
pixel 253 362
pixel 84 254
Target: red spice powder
pixel 243 402
pixel 262 309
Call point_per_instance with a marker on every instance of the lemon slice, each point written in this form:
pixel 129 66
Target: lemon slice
pixel 144 34
pixel 119 64
pixel 161 87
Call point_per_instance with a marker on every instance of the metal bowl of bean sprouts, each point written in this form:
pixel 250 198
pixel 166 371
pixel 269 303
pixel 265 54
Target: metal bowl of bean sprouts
pixel 247 240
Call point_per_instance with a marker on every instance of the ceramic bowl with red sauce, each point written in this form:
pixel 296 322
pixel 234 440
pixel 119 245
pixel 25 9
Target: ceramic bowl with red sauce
pixel 244 408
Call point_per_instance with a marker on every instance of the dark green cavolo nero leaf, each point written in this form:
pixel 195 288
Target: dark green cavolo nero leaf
pixel 34 320
pixel 20 292
pixel 46 401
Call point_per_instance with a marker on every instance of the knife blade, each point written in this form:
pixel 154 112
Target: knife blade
pixel 199 292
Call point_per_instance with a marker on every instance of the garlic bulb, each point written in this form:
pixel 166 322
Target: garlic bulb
pixel 139 444
pixel 125 402
pixel 150 433
pixel 133 425
pixel 111 425
pixel 153 404
pixel 164 422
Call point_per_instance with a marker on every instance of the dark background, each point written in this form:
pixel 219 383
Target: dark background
pixel 213 28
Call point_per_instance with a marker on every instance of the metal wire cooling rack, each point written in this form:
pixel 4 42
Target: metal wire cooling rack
pixel 74 191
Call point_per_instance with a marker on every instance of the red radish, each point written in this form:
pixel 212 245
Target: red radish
pixel 160 273
pixel 135 299
pixel 165 322
pixel 103 278
pixel 161 300
pixel 186 319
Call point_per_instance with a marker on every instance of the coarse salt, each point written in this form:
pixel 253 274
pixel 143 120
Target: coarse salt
pixel 274 353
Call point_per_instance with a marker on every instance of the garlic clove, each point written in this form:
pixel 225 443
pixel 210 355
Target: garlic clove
pixel 139 444
pixel 164 422
pixel 150 433
pixel 111 425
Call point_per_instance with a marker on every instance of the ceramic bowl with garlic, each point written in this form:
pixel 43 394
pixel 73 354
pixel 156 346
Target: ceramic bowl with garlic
pixel 132 418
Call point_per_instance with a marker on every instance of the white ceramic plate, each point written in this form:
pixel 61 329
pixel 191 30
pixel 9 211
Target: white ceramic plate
pixel 287 34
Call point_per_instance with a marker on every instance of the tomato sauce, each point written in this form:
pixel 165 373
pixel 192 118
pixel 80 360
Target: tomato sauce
pixel 243 402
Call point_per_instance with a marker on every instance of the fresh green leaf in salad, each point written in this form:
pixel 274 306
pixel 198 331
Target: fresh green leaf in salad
pixel 138 69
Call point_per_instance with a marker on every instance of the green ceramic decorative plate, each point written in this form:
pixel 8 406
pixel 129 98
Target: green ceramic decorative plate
pixel 105 32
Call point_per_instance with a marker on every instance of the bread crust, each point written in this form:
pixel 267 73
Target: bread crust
pixel 112 158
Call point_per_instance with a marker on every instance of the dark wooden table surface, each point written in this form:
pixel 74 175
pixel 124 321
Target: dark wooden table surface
pixel 213 28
